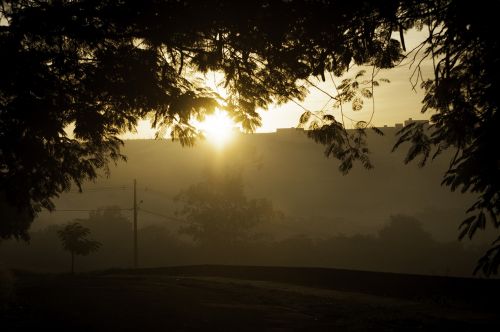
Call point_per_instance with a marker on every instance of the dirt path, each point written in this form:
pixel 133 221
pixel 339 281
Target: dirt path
pixel 169 303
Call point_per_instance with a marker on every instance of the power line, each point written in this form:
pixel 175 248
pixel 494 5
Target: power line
pixel 88 210
pixel 157 192
pixel 96 189
pixel 135 208
pixel 162 215
pixel 147 190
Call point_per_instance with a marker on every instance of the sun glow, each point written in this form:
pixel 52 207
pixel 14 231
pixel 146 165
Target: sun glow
pixel 218 128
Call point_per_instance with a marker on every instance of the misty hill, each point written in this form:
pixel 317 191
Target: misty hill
pixel 394 218
pixel 287 168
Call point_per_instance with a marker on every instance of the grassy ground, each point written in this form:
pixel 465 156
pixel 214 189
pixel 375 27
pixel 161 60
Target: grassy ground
pixel 221 298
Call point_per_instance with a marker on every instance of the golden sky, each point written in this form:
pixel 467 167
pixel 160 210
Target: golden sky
pixel 394 102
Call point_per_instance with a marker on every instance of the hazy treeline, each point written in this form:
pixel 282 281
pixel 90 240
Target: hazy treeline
pixel 401 245
pixel 219 224
pixel 290 170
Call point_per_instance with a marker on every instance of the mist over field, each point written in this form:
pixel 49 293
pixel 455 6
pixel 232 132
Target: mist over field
pixel 393 218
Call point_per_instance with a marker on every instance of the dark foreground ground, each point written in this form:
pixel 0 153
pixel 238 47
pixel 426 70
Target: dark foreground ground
pixel 229 298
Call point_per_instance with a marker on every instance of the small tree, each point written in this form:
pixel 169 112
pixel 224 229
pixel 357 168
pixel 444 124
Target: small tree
pixel 74 239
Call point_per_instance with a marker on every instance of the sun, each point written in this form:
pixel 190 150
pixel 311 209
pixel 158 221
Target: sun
pixel 218 128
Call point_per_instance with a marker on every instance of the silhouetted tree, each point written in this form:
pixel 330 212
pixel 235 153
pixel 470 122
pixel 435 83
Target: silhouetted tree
pixel 111 226
pixel 218 212
pixel 405 231
pixel 102 65
pixel 108 220
pixel 74 239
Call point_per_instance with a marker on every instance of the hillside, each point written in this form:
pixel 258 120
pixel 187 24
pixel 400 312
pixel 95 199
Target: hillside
pixel 393 218
pixel 290 170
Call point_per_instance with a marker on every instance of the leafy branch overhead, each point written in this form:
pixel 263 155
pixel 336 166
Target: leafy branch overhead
pixel 346 146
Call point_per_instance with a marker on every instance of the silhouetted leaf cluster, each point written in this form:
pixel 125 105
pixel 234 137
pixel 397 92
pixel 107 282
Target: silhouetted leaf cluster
pixel 346 146
pixel 462 44
pixel 464 100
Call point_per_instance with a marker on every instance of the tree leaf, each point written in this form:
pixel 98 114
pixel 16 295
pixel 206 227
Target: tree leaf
pixel 357 104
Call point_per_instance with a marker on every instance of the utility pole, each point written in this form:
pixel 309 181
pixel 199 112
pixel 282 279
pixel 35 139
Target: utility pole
pixel 135 226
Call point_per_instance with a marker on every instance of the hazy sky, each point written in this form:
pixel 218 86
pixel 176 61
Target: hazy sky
pixel 394 101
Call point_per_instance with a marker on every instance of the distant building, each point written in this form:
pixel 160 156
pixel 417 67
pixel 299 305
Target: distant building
pixel 410 120
pixel 398 126
pixel 289 131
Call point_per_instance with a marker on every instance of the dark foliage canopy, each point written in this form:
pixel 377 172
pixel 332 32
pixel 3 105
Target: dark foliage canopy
pixel 99 66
